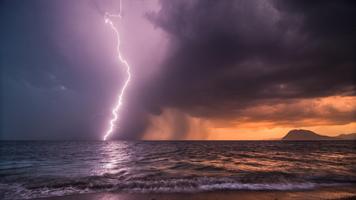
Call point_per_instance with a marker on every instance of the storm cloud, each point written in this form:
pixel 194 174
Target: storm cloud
pixel 231 61
pixel 230 56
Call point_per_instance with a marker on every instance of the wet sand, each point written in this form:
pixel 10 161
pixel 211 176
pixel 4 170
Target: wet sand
pixel 344 193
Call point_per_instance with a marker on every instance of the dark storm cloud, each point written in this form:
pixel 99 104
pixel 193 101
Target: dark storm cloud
pixel 231 55
pixel 224 57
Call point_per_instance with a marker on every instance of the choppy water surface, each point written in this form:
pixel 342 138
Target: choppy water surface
pixel 42 169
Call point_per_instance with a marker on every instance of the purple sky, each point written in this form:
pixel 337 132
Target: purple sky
pixel 194 64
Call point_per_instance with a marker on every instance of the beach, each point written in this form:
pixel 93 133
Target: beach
pixel 344 193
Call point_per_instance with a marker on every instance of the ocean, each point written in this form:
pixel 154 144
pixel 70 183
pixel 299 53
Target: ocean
pixel 33 169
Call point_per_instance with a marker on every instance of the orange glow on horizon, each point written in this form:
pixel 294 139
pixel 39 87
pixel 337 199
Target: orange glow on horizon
pixel 260 131
pixel 329 116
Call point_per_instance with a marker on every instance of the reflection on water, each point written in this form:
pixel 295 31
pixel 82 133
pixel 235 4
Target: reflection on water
pixel 114 155
pixel 36 169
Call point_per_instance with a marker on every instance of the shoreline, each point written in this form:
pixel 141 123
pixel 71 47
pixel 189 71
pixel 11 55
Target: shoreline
pixel 327 193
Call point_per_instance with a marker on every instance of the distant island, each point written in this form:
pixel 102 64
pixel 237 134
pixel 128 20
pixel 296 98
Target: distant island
pixel 300 134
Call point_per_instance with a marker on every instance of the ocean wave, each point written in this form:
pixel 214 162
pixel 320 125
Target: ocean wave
pixel 18 191
pixel 163 167
pixel 203 184
pixel 198 186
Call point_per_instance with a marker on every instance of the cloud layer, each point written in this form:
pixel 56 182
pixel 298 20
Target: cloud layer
pixel 197 64
pixel 256 60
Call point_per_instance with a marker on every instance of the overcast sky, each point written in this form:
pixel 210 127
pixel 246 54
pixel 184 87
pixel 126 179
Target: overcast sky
pixel 201 69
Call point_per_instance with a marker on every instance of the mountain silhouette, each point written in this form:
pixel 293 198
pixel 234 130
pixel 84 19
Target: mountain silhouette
pixel 301 134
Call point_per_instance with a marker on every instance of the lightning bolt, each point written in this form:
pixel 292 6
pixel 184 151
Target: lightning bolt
pixel 115 110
